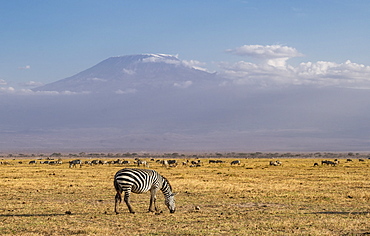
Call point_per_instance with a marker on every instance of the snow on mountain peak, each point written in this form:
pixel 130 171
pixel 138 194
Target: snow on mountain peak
pixel 161 55
pixel 140 71
pixel 165 58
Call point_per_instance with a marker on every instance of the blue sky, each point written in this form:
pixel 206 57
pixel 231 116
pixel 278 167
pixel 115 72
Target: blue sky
pixel 44 41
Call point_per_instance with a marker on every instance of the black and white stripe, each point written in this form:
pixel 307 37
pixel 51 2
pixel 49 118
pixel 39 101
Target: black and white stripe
pixel 140 181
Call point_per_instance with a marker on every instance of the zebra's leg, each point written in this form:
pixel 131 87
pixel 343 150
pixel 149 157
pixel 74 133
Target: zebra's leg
pixel 127 201
pixel 118 200
pixel 153 198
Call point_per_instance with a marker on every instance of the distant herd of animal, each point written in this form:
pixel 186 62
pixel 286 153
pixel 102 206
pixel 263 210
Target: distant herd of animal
pixel 335 162
pixel 136 180
pixel 166 163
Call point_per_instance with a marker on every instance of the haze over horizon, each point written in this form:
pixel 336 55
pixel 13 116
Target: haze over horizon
pixel 240 75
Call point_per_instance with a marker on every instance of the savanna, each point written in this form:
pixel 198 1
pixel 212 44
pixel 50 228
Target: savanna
pixel 250 198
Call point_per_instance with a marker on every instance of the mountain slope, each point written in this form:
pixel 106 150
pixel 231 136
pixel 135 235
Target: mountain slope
pixel 128 74
pixel 157 102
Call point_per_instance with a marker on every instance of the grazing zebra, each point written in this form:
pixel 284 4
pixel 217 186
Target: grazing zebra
pixel 164 163
pixel 275 163
pixel 140 162
pixel 140 181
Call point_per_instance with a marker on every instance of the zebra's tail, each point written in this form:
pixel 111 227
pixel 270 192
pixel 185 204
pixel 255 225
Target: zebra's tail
pixel 118 189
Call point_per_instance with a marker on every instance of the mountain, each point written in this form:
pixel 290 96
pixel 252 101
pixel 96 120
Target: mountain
pixel 156 102
pixel 129 74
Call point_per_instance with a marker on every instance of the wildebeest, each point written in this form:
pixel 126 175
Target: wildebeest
pixel 32 162
pixel 95 162
pixel 215 161
pixel 172 163
pixel 329 163
pixel 74 163
pixel 195 162
pixel 236 162
pixel 88 163
pixel 118 161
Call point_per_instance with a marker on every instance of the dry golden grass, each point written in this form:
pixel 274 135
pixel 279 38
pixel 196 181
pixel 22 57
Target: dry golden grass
pixel 216 199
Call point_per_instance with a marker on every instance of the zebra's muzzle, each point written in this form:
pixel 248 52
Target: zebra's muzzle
pixel 172 211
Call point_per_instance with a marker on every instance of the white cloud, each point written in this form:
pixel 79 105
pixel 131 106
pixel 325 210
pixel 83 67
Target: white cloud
pixel 274 55
pixel 194 64
pixel 275 71
pixel 11 90
pixel 32 84
pixel 185 84
pixel 25 67
pixel 7 89
pixel 347 74
pixel 126 91
pixel 268 51
pixel 3 82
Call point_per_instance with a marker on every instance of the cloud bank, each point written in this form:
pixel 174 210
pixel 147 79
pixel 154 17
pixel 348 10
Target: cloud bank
pixel 273 70
pixel 269 51
pixel 268 67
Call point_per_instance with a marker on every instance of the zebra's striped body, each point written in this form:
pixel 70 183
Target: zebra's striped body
pixel 140 181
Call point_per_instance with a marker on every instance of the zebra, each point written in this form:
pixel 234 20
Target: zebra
pixel 164 163
pixel 140 181
pixel 275 163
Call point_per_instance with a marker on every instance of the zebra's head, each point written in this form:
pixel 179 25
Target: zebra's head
pixel 170 202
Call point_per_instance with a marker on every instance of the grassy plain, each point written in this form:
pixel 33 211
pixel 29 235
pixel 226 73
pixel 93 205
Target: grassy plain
pixel 253 198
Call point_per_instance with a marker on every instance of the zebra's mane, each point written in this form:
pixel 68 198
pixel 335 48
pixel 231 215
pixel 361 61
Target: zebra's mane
pixel 168 183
